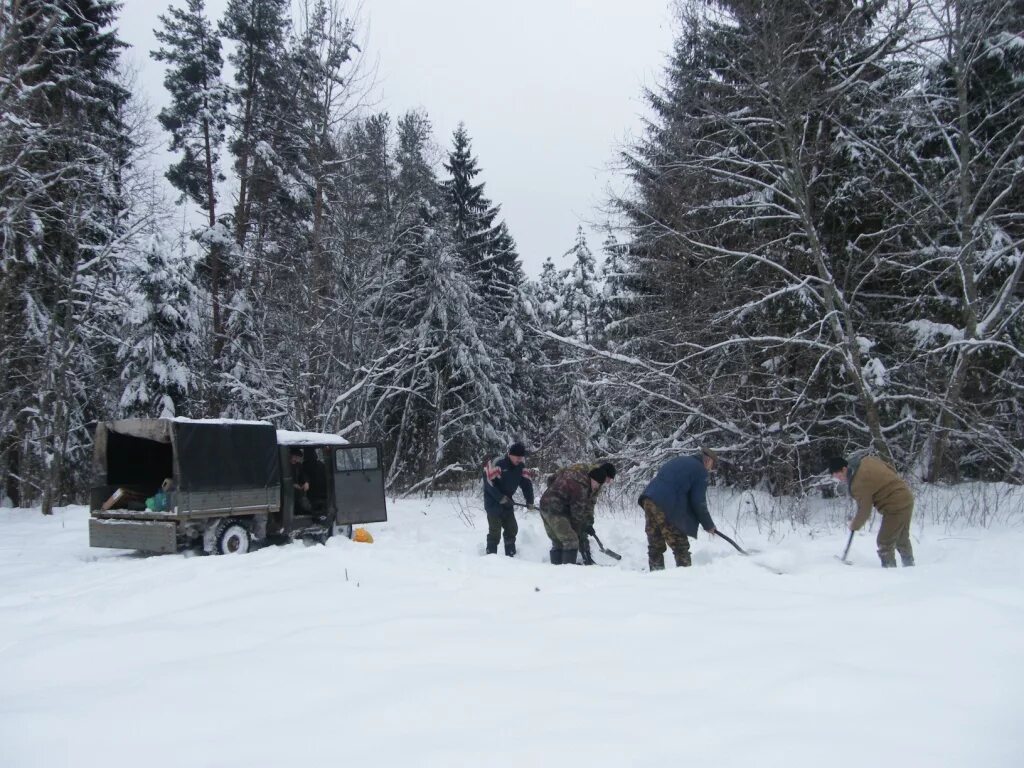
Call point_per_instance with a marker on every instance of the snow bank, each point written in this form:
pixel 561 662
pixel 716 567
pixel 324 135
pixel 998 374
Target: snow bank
pixel 419 651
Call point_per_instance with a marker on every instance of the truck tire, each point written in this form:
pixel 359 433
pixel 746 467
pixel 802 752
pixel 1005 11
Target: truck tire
pixel 231 538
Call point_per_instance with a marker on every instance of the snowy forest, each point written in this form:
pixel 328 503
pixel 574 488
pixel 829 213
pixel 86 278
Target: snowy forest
pixel 818 249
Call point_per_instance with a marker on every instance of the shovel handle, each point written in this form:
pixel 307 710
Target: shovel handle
pixel 739 549
pixel 846 551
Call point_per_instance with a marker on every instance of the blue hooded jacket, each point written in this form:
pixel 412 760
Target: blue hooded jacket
pixel 680 491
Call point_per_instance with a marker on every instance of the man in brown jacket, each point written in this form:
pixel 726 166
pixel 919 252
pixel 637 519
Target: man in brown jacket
pixel 873 483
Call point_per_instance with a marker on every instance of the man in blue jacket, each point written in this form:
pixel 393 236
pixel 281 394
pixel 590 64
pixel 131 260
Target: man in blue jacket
pixel 674 502
pixel 501 479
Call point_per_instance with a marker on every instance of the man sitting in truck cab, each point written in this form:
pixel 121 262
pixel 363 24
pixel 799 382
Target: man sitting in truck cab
pixel 316 474
pixel 300 481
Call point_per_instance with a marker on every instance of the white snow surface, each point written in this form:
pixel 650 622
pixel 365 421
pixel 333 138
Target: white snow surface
pixel 417 650
pixel 290 437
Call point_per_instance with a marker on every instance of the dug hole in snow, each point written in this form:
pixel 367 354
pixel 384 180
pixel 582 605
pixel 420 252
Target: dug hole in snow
pixel 417 650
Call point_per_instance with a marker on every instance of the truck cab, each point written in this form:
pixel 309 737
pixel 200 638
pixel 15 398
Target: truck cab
pixel 162 485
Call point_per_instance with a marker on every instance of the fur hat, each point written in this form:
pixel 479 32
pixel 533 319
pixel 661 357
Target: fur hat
pixel 598 474
pixel 609 470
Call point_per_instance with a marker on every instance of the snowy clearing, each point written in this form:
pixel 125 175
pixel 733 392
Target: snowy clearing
pixel 418 651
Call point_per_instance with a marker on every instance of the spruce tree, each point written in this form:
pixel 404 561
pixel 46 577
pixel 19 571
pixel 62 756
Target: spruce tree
pixel 161 334
pixel 64 147
pixel 472 214
pixel 196 120
pixel 581 292
pixel 456 397
pixel 259 29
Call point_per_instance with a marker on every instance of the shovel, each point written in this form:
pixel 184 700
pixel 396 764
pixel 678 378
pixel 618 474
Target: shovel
pixel 745 553
pixel 608 552
pixel 738 548
pixel 846 551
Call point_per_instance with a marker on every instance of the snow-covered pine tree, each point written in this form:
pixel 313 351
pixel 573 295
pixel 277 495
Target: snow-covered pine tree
pixel 556 365
pixel 63 147
pixel 322 55
pixel 259 29
pixel 451 407
pixel 161 333
pixel 963 165
pixel 581 291
pixel 196 119
pixel 750 226
pixel 473 216
pixel 361 232
pixel 253 380
pixel 485 245
pixel 614 298
pixel 322 70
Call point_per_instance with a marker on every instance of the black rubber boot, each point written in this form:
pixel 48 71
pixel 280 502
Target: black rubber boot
pixel 908 562
pixel 569 556
pixel 556 557
pixel 510 549
pixel 492 549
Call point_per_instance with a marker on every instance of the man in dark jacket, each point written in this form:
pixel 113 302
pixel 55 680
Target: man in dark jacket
pixel 300 482
pixel 501 479
pixel 674 503
pixel 316 474
pixel 567 508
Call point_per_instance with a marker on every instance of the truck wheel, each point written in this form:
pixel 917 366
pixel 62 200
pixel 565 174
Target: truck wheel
pixel 231 538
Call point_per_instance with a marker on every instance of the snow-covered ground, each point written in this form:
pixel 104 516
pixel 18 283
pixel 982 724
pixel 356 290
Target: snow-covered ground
pixel 418 651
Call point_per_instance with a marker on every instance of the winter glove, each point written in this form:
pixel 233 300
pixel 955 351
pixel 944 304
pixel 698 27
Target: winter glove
pixel 505 501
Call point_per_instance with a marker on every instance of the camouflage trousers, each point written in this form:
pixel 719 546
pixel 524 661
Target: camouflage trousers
pixel 661 532
pixel 894 534
pixel 495 523
pixel 559 529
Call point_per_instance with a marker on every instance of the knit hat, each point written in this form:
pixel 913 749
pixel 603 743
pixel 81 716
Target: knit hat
pixel 835 464
pixel 517 449
pixel 598 474
pixel 609 470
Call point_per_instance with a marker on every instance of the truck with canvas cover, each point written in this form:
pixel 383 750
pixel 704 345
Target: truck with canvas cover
pixel 162 485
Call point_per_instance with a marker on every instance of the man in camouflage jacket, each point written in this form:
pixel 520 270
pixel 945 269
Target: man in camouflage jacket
pixel 588 524
pixel 567 509
pixel 873 483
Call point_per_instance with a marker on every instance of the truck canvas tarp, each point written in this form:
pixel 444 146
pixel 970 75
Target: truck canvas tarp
pixel 201 455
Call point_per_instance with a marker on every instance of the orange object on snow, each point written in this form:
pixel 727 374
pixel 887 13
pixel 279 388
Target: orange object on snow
pixel 363 535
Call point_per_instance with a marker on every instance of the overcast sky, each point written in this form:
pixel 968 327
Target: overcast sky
pixel 548 90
